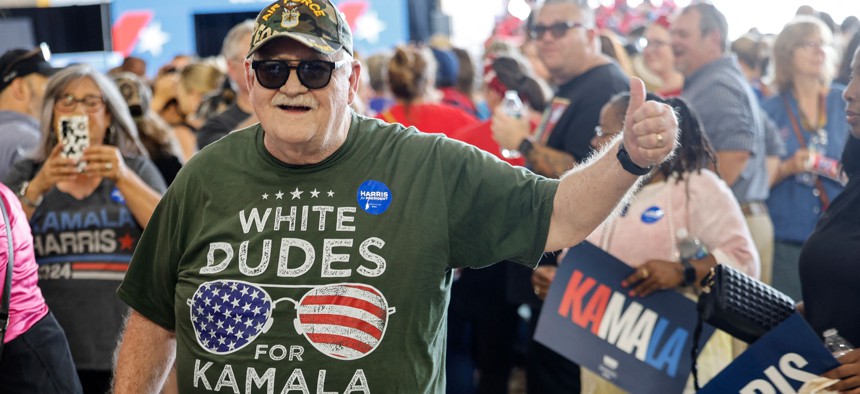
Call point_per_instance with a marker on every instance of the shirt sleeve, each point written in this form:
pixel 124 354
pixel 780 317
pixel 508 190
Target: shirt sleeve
pixel 149 286
pixel 146 170
pixel 717 220
pixel 733 127
pixel 496 211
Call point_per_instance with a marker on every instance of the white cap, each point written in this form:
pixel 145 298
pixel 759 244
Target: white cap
pixel 831 332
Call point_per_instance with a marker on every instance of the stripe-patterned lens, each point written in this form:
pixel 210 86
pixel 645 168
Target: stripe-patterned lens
pixel 344 321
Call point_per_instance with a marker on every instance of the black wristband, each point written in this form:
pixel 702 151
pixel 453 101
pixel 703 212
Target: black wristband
pixel 689 272
pixel 525 147
pixel 628 164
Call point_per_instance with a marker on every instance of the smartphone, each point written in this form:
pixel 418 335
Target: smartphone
pixel 75 134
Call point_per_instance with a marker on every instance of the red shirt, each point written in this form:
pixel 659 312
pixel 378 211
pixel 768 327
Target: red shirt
pixel 481 136
pixel 430 118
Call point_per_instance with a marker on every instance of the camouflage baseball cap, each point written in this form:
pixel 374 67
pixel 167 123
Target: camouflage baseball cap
pixel 314 23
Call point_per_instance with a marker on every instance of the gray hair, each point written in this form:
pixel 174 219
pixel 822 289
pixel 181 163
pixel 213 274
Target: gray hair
pixel 231 48
pixel 711 19
pixel 586 12
pixel 121 133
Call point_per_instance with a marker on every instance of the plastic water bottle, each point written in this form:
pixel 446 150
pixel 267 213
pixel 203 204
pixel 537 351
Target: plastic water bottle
pixel 817 148
pixel 689 247
pixel 837 345
pixel 513 107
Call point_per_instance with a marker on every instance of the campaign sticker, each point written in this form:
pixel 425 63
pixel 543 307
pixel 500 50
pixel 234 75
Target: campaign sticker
pixel 117 196
pixel 373 197
pixel 652 215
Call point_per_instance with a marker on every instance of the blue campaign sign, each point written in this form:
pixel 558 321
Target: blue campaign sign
pixel 639 344
pixel 779 362
pixel 156 30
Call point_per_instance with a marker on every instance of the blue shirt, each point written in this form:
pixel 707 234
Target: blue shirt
pixel 728 110
pixel 19 135
pixel 793 206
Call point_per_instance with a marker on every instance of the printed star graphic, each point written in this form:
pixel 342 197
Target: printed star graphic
pixel 152 39
pixel 297 195
pixel 279 195
pixel 330 193
pixel 126 242
pixel 368 27
pixel 266 196
pixel 315 193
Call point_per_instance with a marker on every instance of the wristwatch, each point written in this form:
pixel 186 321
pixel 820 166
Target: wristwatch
pixel 628 164
pixel 689 272
pixel 22 195
pixel 525 147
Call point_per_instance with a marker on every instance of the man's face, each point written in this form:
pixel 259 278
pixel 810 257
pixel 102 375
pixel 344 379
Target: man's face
pixel 852 97
pixel 236 65
pixel 567 56
pixel 36 84
pixel 302 123
pixel 688 44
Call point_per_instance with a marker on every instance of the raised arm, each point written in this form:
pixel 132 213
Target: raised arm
pixel 589 193
pixel 145 356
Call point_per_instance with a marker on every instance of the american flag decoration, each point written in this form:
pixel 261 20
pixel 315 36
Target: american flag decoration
pixel 343 321
pixel 227 315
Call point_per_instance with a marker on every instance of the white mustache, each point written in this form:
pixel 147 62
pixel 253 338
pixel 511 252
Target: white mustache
pixel 281 99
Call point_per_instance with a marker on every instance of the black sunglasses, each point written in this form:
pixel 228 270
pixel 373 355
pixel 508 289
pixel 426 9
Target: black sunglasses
pixel 557 30
pixel 42 50
pixel 314 74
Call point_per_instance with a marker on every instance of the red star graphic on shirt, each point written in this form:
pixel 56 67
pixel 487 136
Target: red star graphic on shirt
pixel 126 242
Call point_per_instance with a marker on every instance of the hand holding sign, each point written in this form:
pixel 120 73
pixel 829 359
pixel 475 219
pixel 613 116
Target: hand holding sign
pixel 848 373
pixel 650 128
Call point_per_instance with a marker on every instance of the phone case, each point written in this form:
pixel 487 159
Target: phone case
pixel 75 135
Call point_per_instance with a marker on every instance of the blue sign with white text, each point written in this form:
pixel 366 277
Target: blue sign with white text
pixel 639 344
pixel 779 362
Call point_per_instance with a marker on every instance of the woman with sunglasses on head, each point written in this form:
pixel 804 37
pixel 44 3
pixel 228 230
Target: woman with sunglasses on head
pixel 809 112
pixel 86 212
pixel 411 72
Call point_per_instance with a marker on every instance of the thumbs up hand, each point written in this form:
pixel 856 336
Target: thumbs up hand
pixel 650 128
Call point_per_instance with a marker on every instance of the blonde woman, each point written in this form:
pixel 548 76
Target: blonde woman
pixel 807 109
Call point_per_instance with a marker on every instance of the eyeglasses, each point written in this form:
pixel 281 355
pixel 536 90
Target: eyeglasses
pixel 42 50
pixel 655 44
pixel 345 321
pixel 68 103
pixel 812 45
pixel 557 30
pixel 313 74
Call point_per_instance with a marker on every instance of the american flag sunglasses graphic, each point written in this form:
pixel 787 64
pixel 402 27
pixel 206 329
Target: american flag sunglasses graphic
pixel 346 321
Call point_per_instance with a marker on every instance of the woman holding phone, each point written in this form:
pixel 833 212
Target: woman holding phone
pixel 88 197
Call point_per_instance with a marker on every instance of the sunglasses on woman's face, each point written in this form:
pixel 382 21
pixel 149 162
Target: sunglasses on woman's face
pixel 313 74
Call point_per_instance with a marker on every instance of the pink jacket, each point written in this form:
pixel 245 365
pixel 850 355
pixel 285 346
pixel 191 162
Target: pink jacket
pixel 27 305
pixel 648 228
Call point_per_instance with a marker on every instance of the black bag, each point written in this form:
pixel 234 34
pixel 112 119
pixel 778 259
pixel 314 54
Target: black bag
pixel 741 306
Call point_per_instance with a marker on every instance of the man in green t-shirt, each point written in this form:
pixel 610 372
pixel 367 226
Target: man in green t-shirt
pixel 314 252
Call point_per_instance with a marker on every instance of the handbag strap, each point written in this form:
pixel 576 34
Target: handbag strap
pixel 822 194
pixel 694 352
pixel 7 288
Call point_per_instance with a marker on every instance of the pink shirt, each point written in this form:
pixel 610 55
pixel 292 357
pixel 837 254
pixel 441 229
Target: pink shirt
pixel 27 305
pixel 648 229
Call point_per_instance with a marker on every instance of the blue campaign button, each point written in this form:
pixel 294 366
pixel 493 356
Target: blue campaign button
pixel 373 197
pixel 117 196
pixel 652 215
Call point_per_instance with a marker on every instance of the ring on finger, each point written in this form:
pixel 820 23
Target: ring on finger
pixel 537 290
pixel 659 140
pixel 644 273
pixel 108 166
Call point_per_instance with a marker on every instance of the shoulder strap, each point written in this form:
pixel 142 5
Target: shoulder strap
pixel 822 194
pixel 7 288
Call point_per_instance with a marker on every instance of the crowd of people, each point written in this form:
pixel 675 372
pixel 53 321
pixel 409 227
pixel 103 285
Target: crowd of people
pixel 150 212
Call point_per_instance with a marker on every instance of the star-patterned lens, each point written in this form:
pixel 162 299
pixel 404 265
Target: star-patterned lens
pixel 228 315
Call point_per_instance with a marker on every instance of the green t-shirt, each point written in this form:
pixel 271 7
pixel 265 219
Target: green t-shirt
pixel 333 277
